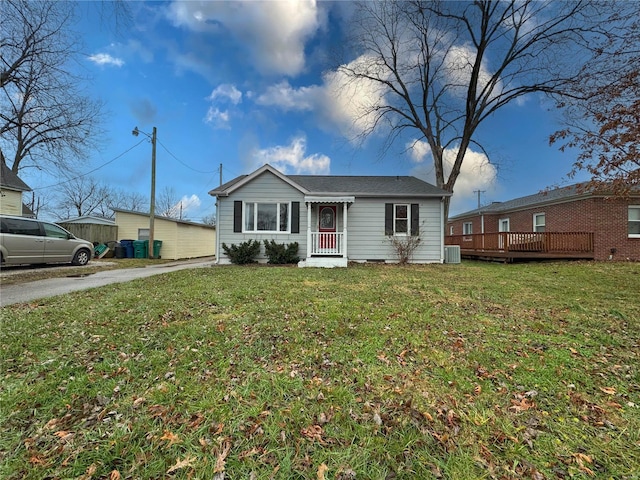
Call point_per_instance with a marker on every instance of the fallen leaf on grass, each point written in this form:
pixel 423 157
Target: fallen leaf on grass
pixel 180 464
pixel 170 437
pixel 608 390
pixel 89 473
pixel 220 461
pixel 314 432
pixel 581 458
pixel 115 475
pixel 322 469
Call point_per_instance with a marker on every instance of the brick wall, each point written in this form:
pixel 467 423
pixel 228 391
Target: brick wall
pixel 606 218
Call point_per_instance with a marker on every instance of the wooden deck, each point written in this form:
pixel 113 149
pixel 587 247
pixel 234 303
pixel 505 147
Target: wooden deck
pixel 513 246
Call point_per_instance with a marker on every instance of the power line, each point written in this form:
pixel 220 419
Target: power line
pixel 91 171
pixel 181 162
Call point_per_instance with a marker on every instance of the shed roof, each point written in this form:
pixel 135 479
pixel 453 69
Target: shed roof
pixel 90 219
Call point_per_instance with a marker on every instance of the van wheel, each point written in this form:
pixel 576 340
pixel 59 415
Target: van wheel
pixel 81 257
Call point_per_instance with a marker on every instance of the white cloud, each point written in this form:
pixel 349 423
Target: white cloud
pixel 285 97
pixel 185 205
pixel 292 158
pixel 476 173
pixel 217 118
pixel 342 104
pixel 226 91
pixel 276 32
pixel 106 59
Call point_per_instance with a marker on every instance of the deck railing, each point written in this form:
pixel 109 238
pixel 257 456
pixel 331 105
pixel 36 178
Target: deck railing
pixel 327 243
pixel 547 242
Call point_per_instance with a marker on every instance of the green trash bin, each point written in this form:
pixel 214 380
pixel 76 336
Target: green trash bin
pixel 157 245
pixel 139 249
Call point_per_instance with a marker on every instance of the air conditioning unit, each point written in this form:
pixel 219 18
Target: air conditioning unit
pixel 452 254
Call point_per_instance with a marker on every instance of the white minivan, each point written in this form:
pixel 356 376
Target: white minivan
pixel 28 240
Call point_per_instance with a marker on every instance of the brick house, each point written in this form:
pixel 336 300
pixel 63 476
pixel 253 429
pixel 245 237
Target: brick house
pixel 612 223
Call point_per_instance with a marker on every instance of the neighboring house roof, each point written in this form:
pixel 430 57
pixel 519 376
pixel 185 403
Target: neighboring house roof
pixel 89 219
pixel 561 194
pixel 27 212
pixel 169 219
pixel 10 180
pixel 337 185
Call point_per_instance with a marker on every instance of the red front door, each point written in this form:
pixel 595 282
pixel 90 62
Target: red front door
pixel 327 226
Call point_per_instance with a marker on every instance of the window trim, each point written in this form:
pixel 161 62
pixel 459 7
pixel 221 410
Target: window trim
pixel 536 225
pixel 255 214
pixel 470 228
pixel 407 219
pixel 413 218
pixel 632 207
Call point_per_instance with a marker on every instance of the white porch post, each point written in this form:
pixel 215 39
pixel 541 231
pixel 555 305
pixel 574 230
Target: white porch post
pixel 309 230
pixel 344 229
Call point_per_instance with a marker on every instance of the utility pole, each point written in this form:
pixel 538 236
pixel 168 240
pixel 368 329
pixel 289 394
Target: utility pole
pixel 152 207
pixel 220 174
pixel 479 192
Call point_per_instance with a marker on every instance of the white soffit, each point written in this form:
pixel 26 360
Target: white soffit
pixel 328 199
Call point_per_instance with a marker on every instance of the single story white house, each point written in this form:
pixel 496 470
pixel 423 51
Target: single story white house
pixel 334 219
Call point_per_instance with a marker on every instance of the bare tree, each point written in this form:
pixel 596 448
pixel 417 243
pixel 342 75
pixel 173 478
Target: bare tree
pixel 441 69
pixel 606 128
pixel 168 204
pixel 46 120
pixel 133 201
pixel 81 196
pixel 209 219
pixel 37 203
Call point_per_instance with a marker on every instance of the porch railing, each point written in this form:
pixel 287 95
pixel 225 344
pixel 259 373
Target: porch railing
pixel 546 242
pixel 327 243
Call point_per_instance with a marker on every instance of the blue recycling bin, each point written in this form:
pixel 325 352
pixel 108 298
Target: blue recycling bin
pixel 128 248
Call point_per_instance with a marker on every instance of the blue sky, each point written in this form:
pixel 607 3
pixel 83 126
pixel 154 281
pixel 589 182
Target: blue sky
pixel 247 83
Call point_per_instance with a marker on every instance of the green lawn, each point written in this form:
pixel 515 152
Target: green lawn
pixel 371 372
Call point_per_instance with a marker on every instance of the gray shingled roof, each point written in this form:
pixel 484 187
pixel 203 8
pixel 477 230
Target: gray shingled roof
pixel 10 180
pixel 546 196
pixel 355 185
pixel 366 185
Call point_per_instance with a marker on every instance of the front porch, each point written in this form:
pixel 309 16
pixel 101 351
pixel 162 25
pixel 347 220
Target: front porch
pixel 326 232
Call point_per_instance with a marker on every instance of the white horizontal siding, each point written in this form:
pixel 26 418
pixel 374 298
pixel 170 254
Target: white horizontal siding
pixel 265 188
pixel 367 239
pixel 11 203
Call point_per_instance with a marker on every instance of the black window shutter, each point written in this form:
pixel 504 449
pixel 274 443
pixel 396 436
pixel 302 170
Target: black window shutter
pixel 388 218
pixel 237 216
pixel 415 219
pixel 295 217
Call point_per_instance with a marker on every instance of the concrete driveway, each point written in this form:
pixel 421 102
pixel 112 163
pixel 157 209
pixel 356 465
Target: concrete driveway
pixel 26 292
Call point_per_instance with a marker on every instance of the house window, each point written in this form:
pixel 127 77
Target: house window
pixel 467 228
pixel 504 225
pixel 401 219
pixel 539 222
pixel 266 217
pixel 634 221
pixel 451 230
